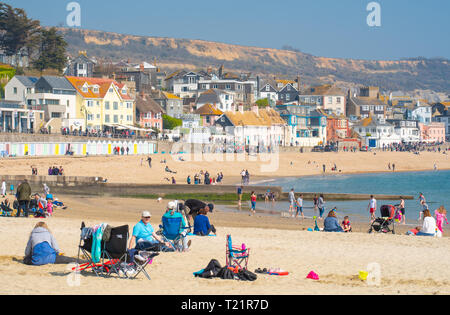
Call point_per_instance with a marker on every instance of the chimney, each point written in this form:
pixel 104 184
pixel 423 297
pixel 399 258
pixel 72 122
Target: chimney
pixel 255 109
pixel 241 108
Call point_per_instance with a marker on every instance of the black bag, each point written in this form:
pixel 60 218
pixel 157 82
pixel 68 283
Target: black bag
pixel 246 275
pixel 226 274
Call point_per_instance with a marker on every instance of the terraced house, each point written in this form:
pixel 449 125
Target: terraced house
pixel 103 103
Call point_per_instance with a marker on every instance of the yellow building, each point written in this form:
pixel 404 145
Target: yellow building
pixel 103 102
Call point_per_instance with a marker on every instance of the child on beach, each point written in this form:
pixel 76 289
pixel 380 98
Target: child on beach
pixel 346 225
pixel 413 231
pixel 440 215
pixel 372 207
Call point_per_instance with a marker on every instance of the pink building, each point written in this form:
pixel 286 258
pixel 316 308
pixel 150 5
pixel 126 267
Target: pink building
pixel 433 132
pixel 208 114
pixel 149 112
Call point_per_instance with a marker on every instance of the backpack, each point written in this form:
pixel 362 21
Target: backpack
pixel 212 270
pixel 226 273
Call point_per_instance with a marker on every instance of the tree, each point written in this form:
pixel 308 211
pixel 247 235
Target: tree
pixel 17 31
pixel 171 123
pixel 262 102
pixel 52 52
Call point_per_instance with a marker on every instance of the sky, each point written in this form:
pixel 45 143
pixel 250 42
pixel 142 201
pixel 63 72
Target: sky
pixel 328 28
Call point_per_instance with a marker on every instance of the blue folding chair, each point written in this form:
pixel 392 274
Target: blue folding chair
pixel 237 256
pixel 171 230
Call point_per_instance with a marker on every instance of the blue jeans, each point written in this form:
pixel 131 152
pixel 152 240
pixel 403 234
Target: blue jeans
pixel 424 234
pixel 321 211
pixel 23 205
pixel 146 244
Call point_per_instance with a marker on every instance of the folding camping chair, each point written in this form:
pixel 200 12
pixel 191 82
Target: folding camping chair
pixel 237 257
pixel 170 230
pixel 113 256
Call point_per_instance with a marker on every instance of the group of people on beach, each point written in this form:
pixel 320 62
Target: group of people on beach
pixel 26 203
pixel 203 177
pixel 245 177
pixel 42 247
pixel 53 170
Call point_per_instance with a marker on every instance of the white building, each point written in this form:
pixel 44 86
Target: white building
pixel 376 133
pixel 222 100
pixel 19 88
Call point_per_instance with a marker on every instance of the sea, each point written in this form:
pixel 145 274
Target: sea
pixel 435 185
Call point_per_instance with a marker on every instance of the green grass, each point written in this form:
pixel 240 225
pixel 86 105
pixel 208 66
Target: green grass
pixel 223 198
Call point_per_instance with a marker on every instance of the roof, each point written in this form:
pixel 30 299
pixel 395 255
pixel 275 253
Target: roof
pixel 330 116
pixel 103 87
pixel 147 104
pixel 265 117
pixel 60 83
pixel 208 110
pixel 171 96
pixel 27 81
pixel 210 96
pixel 326 89
pixel 362 100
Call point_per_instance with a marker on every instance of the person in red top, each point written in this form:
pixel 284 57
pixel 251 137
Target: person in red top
pixel 253 200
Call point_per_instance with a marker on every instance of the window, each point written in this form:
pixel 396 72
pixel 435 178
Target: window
pixel 56 115
pixel 107 118
pixel 115 106
pixel 288 97
pixel 338 100
pixel 116 118
pixel 90 117
pixel 111 90
pixel 215 86
pixel 106 105
pixel 80 66
pixel 330 100
pixel 228 87
pixel 85 89
pixel 267 88
pixel 90 103
pixel 15 90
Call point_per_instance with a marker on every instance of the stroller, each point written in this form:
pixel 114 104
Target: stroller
pixel 114 257
pixel 384 224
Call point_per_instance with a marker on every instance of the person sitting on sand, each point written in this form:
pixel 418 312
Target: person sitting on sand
pixel 346 225
pixel 429 225
pixel 42 248
pixel 331 223
pixel 202 227
pixel 413 231
pixel 144 237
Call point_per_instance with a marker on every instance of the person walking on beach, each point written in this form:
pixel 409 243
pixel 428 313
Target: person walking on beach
pixel 321 206
pixel 253 202
pixel 372 207
pixel 393 167
pixel 324 167
pixel 3 188
pixel 315 202
pixel 149 160
pixel 300 206
pixel 291 202
pixel 402 209
pixel 239 193
pixel 24 197
pixel 440 215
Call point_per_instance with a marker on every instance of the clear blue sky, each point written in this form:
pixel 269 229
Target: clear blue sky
pixel 329 28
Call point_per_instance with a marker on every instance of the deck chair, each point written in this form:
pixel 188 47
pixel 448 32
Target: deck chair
pixel 236 257
pixel 113 258
pixel 170 231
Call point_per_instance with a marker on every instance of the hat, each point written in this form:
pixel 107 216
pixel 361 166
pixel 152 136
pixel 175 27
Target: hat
pixel 211 207
pixel 146 214
pixel 171 205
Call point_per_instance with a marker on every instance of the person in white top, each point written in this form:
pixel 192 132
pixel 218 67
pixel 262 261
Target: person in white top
pixel 429 225
pixel 372 207
pixel 3 188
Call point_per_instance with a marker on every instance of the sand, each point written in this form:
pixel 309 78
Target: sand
pixel 407 265
pixel 128 169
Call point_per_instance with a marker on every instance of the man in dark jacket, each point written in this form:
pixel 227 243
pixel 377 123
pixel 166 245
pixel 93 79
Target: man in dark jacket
pixel 23 195
pixel 195 206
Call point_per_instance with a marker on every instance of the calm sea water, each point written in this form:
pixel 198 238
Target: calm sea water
pixel 434 185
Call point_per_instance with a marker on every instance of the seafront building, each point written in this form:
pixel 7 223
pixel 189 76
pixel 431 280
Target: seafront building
pixel 103 103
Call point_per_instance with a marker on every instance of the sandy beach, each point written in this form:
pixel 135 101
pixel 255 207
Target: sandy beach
pixel 135 169
pixel 408 265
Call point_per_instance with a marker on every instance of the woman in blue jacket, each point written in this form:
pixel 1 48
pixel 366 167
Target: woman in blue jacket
pixel 202 226
pixel 331 223
pixel 42 248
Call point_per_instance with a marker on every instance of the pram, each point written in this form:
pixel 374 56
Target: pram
pixel 384 224
pixel 113 257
